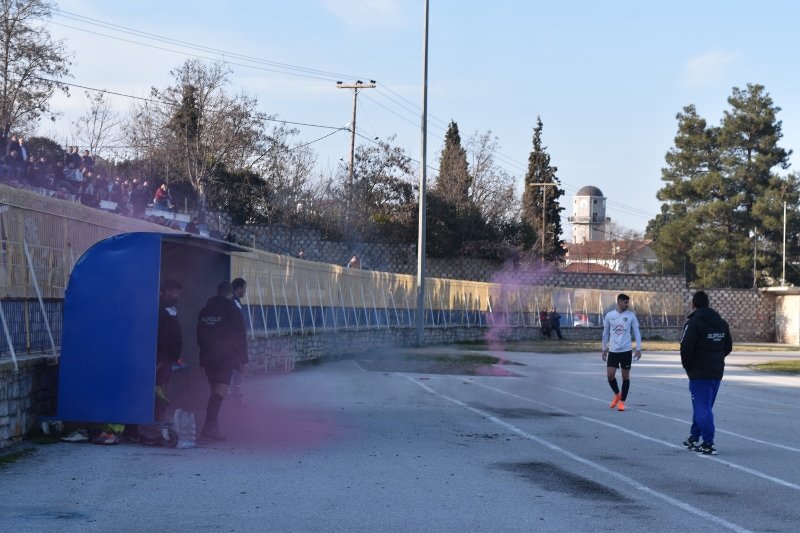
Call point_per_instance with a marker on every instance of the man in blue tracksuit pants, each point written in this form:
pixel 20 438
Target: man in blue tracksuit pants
pixel 705 343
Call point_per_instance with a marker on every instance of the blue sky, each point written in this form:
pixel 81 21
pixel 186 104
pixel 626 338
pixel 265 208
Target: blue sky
pixel 606 78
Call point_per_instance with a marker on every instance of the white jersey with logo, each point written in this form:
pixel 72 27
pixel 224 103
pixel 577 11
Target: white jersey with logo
pixel 617 331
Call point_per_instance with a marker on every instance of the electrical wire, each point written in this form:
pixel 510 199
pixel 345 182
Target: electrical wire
pixel 168 40
pixel 174 104
pixel 288 69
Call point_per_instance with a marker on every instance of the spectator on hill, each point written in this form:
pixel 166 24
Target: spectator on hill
pixel 9 163
pixel 72 158
pixel 12 144
pixel 139 198
pixel 192 227
pixel 37 172
pixel 162 198
pixel 60 180
pixel 89 195
pixel 87 163
pixel 101 185
pixel 115 190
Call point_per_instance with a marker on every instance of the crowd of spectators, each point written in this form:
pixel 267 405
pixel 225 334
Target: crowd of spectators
pixel 75 179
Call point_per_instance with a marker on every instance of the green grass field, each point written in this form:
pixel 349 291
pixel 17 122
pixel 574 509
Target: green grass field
pixel 787 367
pixel 572 346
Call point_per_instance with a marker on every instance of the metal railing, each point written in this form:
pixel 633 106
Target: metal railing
pixel 40 243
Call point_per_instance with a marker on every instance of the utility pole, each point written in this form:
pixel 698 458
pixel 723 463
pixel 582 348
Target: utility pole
pixel 783 274
pixel 355 86
pixel 422 186
pixel 755 256
pixel 544 187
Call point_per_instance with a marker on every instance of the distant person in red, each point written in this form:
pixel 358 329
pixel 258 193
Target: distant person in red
pixel 544 324
pixel 162 197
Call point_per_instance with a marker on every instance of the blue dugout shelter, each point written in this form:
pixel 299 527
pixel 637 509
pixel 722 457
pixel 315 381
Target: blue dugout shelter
pixel 108 349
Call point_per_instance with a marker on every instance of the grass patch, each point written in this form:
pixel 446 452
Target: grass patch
pixel 13 457
pixel 787 367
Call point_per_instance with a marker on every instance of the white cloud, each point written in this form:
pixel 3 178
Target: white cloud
pixel 365 13
pixel 707 68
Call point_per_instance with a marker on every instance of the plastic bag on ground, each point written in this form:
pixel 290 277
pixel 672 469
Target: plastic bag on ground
pixel 183 423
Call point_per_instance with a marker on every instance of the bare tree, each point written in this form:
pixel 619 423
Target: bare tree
pixel 97 129
pixel 148 139
pixel 31 64
pixel 492 187
pixel 212 128
pixel 287 167
pixel 615 231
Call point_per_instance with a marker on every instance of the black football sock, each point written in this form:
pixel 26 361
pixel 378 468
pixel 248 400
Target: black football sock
pixel 212 411
pixel 613 383
pixel 626 384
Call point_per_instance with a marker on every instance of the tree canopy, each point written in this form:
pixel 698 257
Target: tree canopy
pixel 723 200
pixel 541 208
pixel 32 65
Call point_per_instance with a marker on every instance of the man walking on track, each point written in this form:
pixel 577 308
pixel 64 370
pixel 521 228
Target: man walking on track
pixel 705 343
pixel 617 350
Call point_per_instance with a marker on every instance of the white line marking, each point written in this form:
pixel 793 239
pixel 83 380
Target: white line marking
pixel 748 470
pixel 651 413
pixel 616 475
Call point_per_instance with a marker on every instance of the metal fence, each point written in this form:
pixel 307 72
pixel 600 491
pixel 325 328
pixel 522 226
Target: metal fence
pixel 288 296
pixel 41 238
pixel 40 243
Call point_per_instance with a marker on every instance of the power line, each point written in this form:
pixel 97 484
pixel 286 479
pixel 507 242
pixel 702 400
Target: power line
pixel 174 104
pixel 281 68
pixel 168 40
pixel 225 61
pixel 317 140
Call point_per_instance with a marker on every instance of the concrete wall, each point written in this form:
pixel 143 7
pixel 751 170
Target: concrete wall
pixel 280 353
pixel 787 314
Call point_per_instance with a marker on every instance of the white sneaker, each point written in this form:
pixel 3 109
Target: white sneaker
pixel 80 435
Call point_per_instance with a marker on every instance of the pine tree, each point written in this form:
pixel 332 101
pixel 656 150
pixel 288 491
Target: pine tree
pixel 722 199
pixel 454 181
pixel 533 204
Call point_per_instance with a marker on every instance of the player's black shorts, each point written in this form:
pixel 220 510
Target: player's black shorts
pixel 620 359
pixel 221 374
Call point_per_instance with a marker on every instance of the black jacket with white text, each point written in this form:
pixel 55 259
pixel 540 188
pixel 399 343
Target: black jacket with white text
pixel 705 343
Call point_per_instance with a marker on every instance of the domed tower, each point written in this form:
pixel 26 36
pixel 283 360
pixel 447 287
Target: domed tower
pixel 588 215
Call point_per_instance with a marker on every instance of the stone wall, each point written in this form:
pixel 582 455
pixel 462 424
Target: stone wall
pixel 281 353
pixel 32 392
pixel 749 312
pixel 25 395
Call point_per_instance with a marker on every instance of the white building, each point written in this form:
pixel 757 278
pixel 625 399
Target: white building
pixel 588 215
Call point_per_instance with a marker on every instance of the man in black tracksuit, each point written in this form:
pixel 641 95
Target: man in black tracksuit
pixel 170 343
pixel 705 343
pixel 222 338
